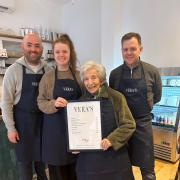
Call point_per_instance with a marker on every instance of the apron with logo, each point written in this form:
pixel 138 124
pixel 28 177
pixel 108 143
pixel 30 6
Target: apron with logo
pixel 54 147
pixel 141 143
pixel 28 119
pixel 109 164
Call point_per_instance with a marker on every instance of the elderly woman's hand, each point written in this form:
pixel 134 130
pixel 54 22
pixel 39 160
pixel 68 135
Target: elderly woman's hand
pixel 105 144
pixel 60 102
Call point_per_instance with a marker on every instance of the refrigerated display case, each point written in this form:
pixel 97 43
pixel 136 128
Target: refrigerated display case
pixel 166 116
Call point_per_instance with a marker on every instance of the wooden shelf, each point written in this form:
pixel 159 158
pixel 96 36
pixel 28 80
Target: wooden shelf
pixel 19 37
pixel 2 71
pixel 11 36
pixel 14 56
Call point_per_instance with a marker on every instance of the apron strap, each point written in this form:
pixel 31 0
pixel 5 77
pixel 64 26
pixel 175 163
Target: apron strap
pixel 24 70
pixel 76 80
pixel 74 77
pixel 142 71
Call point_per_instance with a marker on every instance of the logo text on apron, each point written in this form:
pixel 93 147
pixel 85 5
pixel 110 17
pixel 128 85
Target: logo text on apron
pixel 68 89
pixel 35 84
pixel 131 90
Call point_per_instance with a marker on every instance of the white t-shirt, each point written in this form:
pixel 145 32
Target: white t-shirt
pixel 34 68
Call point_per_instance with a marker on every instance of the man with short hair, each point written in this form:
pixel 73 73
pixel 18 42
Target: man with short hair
pixel 21 115
pixel 140 82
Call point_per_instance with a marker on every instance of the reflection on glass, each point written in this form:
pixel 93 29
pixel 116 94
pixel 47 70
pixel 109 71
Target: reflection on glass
pixel 165 112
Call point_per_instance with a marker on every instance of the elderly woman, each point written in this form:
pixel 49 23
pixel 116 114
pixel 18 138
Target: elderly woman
pixel 112 163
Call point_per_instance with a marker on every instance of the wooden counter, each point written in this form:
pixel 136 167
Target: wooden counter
pixel 164 170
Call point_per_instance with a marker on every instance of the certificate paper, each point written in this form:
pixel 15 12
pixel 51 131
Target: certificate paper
pixel 84 125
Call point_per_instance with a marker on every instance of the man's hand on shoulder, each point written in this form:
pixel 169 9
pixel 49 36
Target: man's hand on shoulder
pixel 13 136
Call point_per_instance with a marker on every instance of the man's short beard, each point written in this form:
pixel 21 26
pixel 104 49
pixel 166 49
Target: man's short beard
pixel 34 61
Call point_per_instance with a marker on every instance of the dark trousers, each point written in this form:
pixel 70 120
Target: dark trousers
pixel 148 174
pixel 26 170
pixel 66 172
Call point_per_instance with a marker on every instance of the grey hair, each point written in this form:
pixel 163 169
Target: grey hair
pixel 101 71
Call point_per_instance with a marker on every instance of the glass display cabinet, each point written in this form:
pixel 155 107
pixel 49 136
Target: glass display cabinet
pixel 166 116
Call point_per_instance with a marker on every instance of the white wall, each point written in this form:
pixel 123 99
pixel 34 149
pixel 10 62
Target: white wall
pixel 111 15
pixel 96 26
pixel 30 13
pixel 158 23
pixel 82 21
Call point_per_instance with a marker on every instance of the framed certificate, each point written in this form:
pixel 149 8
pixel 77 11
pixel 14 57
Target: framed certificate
pixel 84 125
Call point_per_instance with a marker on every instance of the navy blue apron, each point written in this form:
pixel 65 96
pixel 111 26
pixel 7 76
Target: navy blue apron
pixel 29 119
pixel 109 164
pixel 54 144
pixel 141 143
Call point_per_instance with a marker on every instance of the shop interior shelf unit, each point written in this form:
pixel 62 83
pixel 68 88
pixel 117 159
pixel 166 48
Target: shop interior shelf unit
pixel 18 37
